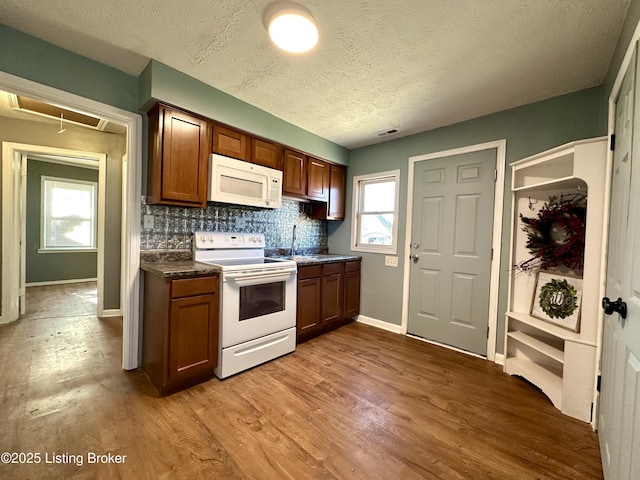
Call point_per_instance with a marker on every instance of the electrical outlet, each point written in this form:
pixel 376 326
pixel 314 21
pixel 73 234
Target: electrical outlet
pixel 241 223
pixel 390 261
pixel 148 222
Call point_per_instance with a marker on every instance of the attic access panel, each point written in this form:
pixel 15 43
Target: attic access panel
pixel 35 106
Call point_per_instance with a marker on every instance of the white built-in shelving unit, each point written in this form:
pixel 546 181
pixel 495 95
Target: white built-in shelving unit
pixel 560 362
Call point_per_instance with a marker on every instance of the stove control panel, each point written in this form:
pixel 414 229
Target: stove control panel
pixel 214 240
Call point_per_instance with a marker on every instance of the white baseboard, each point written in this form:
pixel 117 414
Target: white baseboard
pixel 115 312
pixel 60 282
pixel 390 327
pixel 499 358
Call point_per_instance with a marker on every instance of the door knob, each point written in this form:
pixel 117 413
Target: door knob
pixel 415 258
pixel 617 306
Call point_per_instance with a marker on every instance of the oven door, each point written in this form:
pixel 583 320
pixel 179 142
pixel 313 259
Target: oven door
pixel 256 304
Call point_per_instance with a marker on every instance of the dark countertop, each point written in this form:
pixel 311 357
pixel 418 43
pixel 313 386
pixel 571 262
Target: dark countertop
pixel 322 258
pixel 180 267
pixel 176 269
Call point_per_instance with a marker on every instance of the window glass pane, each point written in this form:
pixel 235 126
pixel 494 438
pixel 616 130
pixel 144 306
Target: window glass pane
pixel 69 199
pixel 69 232
pixel 69 214
pixel 379 196
pixel 376 229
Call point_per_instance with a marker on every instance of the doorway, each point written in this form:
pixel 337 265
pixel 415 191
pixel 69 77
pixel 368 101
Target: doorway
pixel 131 191
pixel 47 255
pixel 431 287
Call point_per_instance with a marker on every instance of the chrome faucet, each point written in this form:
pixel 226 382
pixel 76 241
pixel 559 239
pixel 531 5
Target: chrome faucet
pixel 293 241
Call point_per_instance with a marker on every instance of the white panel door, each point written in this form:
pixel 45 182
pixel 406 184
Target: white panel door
pixel 619 412
pixel 451 249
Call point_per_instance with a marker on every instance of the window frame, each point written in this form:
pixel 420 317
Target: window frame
pixel 43 198
pixel 358 181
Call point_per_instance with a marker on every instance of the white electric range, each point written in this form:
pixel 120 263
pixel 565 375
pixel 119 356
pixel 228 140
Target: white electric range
pixel 257 299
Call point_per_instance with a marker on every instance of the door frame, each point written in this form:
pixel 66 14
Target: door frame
pixel 131 189
pixel 498 207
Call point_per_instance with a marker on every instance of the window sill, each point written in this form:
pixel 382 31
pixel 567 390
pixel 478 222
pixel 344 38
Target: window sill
pixel 67 250
pixel 383 250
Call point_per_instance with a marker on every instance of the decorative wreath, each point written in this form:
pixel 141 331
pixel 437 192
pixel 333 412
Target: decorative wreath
pixel 555 237
pixel 558 299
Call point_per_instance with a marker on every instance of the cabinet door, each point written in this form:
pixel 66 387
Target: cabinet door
pixel 294 177
pixel 186 142
pixel 332 296
pixel 308 307
pixel 317 179
pixel 266 153
pixel 351 290
pixel 193 336
pixel 337 192
pixel 230 143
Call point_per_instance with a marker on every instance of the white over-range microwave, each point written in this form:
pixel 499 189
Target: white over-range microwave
pixel 243 183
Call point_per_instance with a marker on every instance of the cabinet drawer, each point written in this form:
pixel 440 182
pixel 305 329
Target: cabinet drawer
pixel 186 287
pixel 353 266
pixel 310 271
pixel 332 268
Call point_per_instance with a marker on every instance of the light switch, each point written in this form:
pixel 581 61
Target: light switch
pixel 148 222
pixel 390 261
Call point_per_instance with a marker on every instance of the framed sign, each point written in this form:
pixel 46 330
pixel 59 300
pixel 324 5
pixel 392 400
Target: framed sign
pixel 557 300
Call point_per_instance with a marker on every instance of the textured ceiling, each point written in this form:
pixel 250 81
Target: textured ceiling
pixel 411 65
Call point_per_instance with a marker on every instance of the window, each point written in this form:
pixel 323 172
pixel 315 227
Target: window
pixel 375 212
pixel 68 215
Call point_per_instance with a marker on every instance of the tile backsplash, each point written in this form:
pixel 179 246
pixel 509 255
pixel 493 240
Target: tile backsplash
pixel 173 227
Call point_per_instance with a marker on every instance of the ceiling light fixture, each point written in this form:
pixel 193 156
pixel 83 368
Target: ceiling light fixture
pixel 291 27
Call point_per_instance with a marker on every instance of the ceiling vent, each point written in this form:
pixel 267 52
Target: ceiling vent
pixel 29 105
pixel 384 133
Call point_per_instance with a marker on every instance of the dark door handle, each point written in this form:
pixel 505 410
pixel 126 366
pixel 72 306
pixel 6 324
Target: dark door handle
pixel 617 306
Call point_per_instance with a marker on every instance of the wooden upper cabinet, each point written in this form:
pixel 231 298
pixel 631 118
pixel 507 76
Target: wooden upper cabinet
pixel 337 192
pixel 266 153
pixel 230 143
pixel 179 146
pixel 317 179
pixel 294 177
pixel 334 209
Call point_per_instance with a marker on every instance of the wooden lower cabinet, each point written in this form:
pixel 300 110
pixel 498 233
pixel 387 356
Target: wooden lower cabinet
pixel 309 302
pixel 351 290
pixel 180 330
pixel 328 297
pixel 332 293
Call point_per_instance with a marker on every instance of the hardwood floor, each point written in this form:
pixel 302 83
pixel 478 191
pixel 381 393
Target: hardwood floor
pixel 357 403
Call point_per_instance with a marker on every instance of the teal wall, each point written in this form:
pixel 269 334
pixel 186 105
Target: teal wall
pixel 528 130
pixel 50 267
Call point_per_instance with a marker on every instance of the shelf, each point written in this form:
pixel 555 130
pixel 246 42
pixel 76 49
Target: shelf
pixel 566 183
pixel 549 380
pixel 549 328
pixel 538 345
